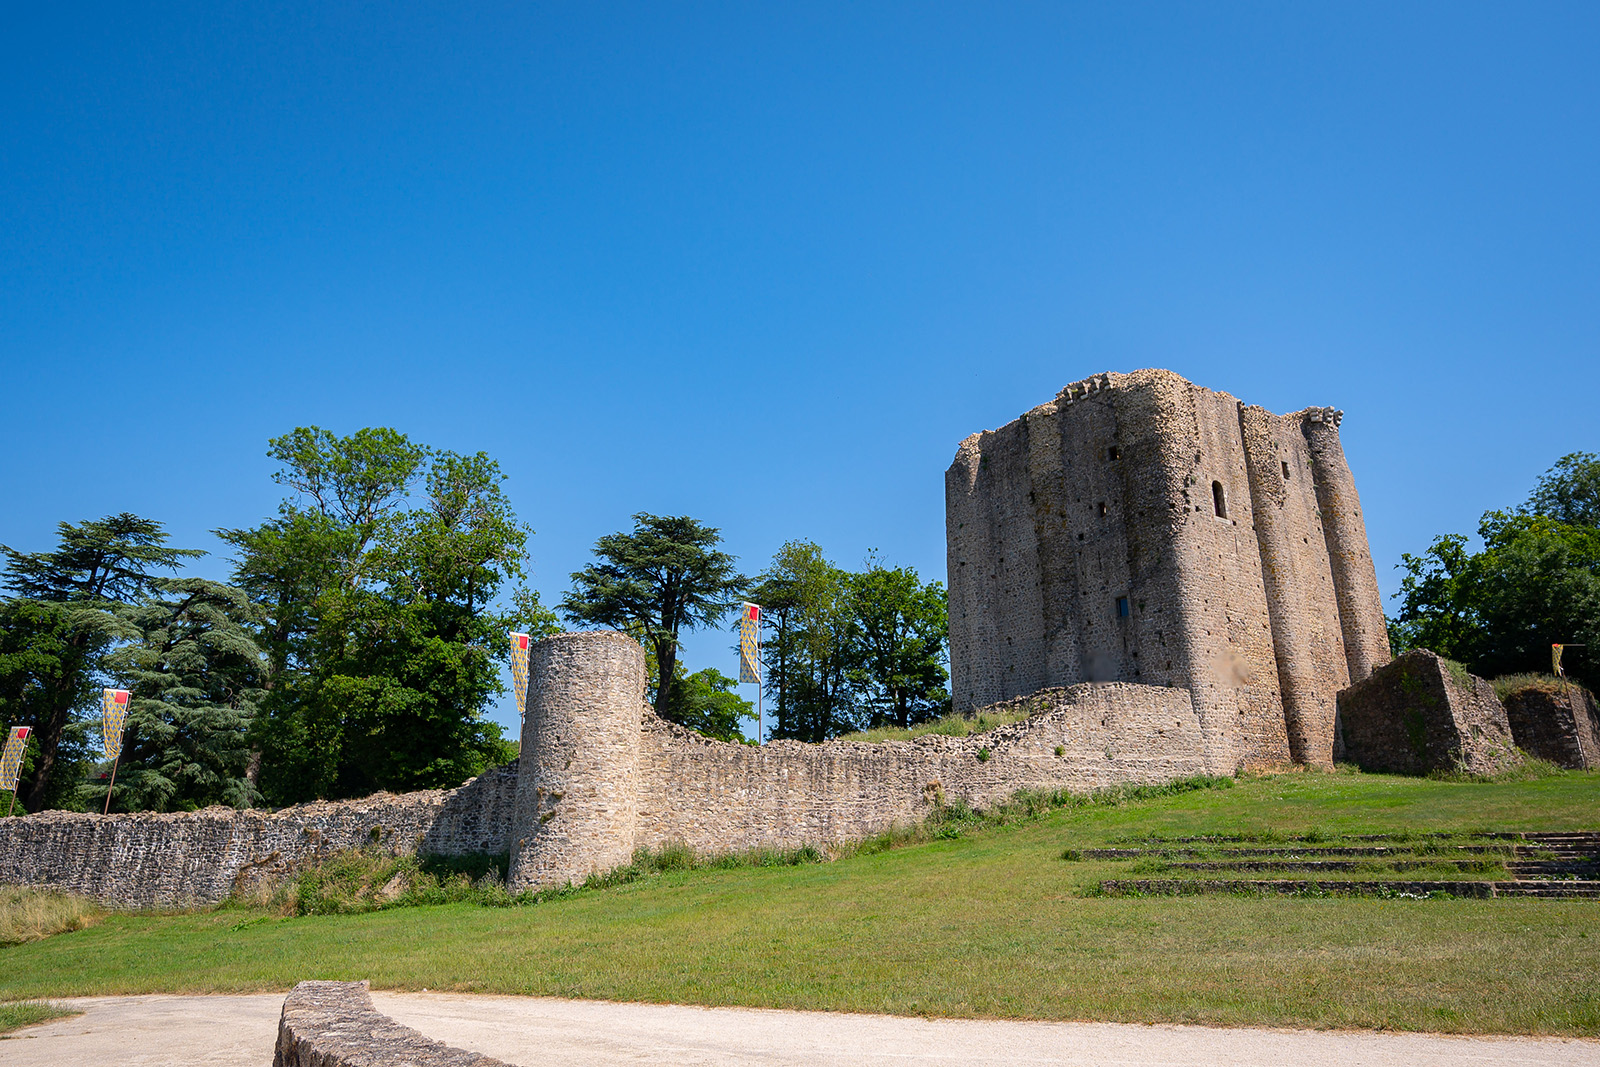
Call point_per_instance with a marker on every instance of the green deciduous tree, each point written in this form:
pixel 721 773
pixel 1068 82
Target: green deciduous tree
pixel 1569 492
pixel 707 701
pixel 59 625
pixel 662 578
pixel 380 580
pixel 195 674
pixel 805 652
pixel 899 629
pixel 1535 581
pixel 846 651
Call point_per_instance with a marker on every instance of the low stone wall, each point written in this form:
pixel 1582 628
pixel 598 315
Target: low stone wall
pixel 717 797
pixel 333 1024
pixel 1556 722
pixel 1421 713
pixel 164 860
pixel 602 775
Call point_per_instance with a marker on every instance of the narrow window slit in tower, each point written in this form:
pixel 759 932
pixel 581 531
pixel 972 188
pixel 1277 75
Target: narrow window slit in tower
pixel 1219 500
pixel 1102 509
pixel 1285 470
pixel 1112 453
pixel 1122 607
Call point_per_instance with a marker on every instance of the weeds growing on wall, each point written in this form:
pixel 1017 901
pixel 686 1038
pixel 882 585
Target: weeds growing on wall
pixel 953 725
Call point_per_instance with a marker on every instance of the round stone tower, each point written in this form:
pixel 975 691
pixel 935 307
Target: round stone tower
pixel 577 783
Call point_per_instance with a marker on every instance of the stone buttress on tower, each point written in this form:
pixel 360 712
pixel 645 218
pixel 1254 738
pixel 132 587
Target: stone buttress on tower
pixel 1140 528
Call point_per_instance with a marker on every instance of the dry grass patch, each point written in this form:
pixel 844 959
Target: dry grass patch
pixel 30 914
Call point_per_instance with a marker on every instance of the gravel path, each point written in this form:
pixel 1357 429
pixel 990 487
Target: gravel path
pixel 238 1031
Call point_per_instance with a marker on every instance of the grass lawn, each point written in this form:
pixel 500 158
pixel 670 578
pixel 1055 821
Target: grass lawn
pixel 992 924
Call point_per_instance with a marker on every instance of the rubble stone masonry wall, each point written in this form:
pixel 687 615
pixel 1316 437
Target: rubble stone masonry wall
pixel 602 775
pixel 718 797
pixel 163 860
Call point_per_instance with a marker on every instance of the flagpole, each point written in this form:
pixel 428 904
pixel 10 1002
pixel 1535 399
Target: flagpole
pixel 109 788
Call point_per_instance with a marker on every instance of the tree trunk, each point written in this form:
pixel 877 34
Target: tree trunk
pixel 667 664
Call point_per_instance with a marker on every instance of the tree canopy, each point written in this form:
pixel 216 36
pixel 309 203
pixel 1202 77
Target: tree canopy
pixel 64 617
pixel 662 578
pixel 848 650
pixel 379 581
pixel 1534 582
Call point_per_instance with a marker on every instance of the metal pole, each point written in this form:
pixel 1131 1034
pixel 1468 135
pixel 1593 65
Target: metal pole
pixel 761 721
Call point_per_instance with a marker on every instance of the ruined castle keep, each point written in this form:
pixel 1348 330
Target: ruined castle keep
pixel 1140 528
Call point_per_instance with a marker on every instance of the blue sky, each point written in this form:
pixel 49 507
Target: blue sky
pixel 767 266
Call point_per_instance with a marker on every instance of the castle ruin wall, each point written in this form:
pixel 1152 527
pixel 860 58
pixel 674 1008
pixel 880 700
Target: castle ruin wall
pixel 150 859
pixel 601 775
pixel 578 801
pixel 721 797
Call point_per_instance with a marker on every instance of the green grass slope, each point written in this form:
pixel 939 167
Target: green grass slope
pixel 993 923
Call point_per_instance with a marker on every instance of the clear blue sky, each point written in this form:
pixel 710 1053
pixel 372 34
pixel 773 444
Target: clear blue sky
pixel 767 264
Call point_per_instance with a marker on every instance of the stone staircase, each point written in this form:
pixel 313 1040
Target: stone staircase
pixel 1543 865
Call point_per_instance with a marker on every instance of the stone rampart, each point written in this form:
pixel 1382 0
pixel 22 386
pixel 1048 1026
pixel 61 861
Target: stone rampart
pixel 578 804
pixel 173 859
pixel 721 797
pixel 333 1024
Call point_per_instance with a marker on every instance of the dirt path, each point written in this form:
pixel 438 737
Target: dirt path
pixel 238 1031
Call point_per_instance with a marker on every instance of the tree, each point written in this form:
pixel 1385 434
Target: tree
pixel 1569 492
pixel 664 577
pixel 379 580
pixel 897 646
pixel 61 623
pixel 195 675
pixel 1536 581
pixel 805 609
pixel 706 701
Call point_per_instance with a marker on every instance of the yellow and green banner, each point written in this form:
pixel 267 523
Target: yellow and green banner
pixel 750 643
pixel 113 716
pixel 11 757
pixel 519 672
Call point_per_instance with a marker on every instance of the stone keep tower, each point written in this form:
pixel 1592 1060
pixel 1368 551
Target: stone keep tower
pixel 1140 528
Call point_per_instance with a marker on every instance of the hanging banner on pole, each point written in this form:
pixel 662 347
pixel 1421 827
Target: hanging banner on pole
pixel 750 643
pixel 1555 661
pixel 11 758
pixel 113 715
pixel 519 672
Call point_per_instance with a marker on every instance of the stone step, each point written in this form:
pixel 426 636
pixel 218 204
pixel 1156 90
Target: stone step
pixel 1575 890
pixel 1325 865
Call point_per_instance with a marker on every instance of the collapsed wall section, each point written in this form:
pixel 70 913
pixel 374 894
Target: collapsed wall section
pixel 1423 713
